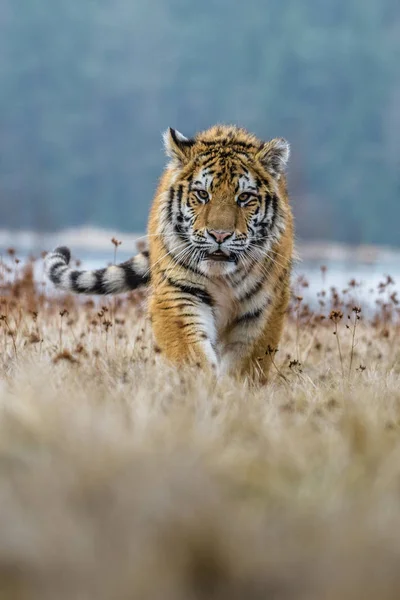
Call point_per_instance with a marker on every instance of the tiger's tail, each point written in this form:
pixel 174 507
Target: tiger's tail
pixel 111 280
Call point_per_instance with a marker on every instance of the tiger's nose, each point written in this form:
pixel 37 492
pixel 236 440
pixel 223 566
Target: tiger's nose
pixel 220 236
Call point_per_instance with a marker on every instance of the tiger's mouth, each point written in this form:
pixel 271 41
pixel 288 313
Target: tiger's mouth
pixel 220 256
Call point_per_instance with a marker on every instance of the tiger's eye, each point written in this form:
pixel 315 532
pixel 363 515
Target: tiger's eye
pixel 202 194
pixel 244 197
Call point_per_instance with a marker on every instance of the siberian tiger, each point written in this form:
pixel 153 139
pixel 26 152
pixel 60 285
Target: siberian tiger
pixel 220 252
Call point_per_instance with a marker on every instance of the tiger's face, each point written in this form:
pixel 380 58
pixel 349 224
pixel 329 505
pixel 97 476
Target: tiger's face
pixel 224 208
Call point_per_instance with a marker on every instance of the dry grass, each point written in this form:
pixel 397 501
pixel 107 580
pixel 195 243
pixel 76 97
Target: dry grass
pixel 122 478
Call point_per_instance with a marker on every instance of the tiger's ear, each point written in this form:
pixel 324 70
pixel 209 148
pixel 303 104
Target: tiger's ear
pixel 177 146
pixel 274 156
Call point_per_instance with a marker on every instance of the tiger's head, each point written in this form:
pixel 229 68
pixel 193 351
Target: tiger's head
pixel 226 203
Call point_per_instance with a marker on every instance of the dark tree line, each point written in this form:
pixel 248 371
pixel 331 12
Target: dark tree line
pixel 86 88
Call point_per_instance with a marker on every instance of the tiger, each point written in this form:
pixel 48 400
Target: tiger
pixel 218 267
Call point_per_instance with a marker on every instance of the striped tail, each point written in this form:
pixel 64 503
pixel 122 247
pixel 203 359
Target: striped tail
pixel 111 280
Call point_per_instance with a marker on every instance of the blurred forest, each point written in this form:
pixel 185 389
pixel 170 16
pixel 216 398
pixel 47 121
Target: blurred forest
pixel 86 88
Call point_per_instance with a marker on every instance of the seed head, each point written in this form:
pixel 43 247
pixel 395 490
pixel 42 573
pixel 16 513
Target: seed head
pixel 336 316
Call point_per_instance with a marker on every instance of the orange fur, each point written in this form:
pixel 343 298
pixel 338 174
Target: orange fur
pixel 174 314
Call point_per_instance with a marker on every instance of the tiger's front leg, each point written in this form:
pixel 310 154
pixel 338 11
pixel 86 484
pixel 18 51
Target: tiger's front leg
pixel 238 349
pixel 251 342
pixel 183 325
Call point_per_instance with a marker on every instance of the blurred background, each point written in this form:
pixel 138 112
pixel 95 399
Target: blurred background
pixel 86 89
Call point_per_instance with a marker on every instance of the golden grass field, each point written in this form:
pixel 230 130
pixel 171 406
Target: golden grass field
pixel 123 478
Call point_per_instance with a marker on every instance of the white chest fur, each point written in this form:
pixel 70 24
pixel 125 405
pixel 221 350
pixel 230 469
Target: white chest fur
pixel 225 304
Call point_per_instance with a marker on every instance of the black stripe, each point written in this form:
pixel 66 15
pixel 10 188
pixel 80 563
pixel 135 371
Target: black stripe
pixel 274 209
pixel 240 275
pixel 56 271
pixel 170 203
pixel 243 163
pixel 73 277
pixel 243 144
pixel 167 293
pixel 250 316
pixel 199 293
pixel 174 306
pixel 193 335
pixel 180 193
pixel 132 278
pixel 210 160
pixel 244 271
pixel 267 202
pixel 256 288
pixel 97 288
pixel 178 218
